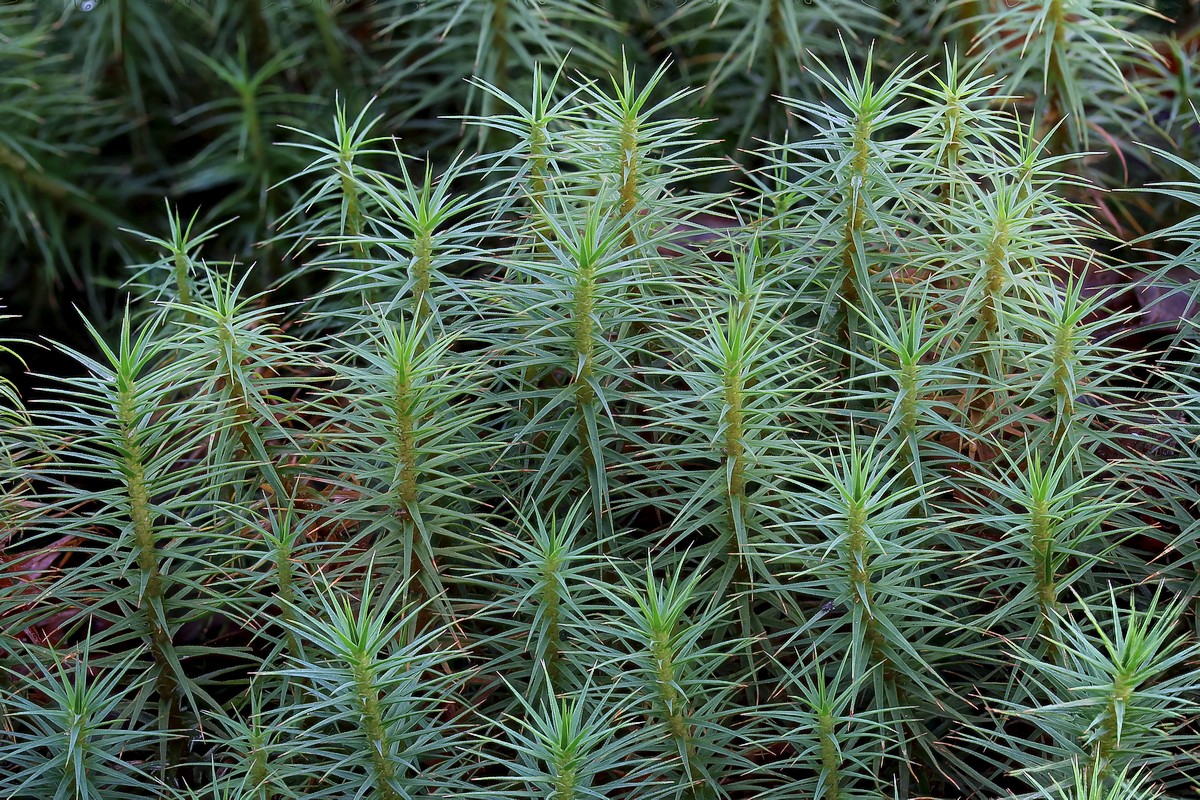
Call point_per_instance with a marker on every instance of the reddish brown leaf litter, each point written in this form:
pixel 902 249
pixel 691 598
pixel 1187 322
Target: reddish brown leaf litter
pixel 35 571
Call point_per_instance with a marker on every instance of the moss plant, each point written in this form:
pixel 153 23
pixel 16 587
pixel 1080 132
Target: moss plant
pixel 483 419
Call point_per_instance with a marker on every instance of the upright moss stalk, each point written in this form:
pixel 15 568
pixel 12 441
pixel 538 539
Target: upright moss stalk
pixel 1054 54
pixel 616 152
pixel 572 286
pixel 404 488
pixel 386 687
pixel 995 268
pixel 551 577
pixel 831 756
pixel 742 345
pixel 282 541
pixel 430 235
pixel 134 382
pixel 351 204
pixel 857 550
pixel 629 161
pixel 856 196
pixel 131 414
pixel 1000 251
pixel 671 670
pixel 1070 354
pixel 1126 694
pixel 787 566
pixel 540 570
pixel 405 432
pixel 1042 546
pixel 862 182
pixel 734 446
pixel 239 350
pixel 340 171
pixel 672 707
pixel 378 745
pixel 872 566
pixel 915 365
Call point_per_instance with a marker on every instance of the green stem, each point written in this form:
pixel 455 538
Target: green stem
pixel 855 193
pixel 422 273
pixel 996 260
pixel 736 500
pixel 584 350
pixel 1042 541
pixel 1064 357
pixel 406 490
pixel 953 147
pixel 372 725
pixel 565 779
pixel 1108 743
pixel 260 771
pixel 831 759
pixel 182 283
pixel 354 215
pixel 285 592
pixel 406 487
pixel 672 706
pixel 539 145
pixel 152 597
pixel 629 176
pixel 909 405
pixel 1056 79
pixel 858 563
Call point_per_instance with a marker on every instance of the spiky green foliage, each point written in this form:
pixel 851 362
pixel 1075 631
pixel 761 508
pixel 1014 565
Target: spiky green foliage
pixel 511 442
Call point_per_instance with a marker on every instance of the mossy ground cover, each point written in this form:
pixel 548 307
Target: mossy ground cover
pixel 599 400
